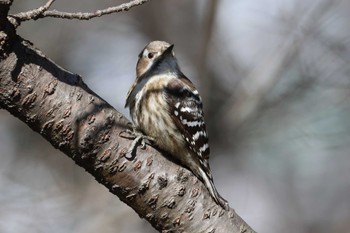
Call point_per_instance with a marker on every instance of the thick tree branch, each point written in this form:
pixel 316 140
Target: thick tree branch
pixel 59 106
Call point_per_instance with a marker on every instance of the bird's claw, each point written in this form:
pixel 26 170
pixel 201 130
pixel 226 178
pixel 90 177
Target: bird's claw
pixel 138 138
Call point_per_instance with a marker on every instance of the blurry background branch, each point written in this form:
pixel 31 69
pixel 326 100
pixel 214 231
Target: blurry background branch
pixel 250 94
pixel 202 68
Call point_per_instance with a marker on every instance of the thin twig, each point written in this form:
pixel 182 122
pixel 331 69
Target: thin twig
pixel 43 12
pixel 90 15
pixel 33 14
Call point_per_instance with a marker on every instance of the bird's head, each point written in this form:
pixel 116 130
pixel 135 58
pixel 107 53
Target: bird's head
pixel 156 57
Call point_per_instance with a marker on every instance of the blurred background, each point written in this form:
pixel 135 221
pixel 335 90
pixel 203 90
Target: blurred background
pixel 275 79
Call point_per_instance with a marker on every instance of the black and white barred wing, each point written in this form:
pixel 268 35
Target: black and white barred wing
pixel 186 110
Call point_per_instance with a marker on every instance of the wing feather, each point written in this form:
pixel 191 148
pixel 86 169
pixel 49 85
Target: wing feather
pixel 186 110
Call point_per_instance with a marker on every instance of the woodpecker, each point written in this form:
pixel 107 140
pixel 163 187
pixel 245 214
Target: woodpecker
pixel 166 107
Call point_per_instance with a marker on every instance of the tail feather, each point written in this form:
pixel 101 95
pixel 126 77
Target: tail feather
pixel 209 183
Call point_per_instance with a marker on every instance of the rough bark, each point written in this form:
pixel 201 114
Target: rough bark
pixel 59 106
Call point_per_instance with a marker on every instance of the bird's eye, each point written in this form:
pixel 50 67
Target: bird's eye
pixel 150 55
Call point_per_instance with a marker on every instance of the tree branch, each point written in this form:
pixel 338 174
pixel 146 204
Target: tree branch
pixel 43 12
pixel 98 13
pixel 34 14
pixel 59 106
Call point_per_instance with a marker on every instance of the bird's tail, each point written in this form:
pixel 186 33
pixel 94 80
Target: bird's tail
pixel 209 183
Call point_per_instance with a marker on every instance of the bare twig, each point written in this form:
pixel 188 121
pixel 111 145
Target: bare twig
pixel 43 12
pixel 98 13
pixel 36 12
pixel 32 14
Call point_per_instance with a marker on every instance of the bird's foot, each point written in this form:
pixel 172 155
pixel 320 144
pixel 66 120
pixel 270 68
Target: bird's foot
pixel 138 139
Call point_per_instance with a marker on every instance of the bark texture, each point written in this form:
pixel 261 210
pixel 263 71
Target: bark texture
pixel 59 106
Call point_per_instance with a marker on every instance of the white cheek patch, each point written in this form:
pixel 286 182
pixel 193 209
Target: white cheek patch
pixel 145 53
pixel 149 63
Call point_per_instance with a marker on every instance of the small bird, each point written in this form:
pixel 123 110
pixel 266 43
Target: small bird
pixel 166 108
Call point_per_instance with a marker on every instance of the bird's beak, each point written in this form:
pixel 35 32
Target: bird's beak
pixel 168 51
